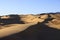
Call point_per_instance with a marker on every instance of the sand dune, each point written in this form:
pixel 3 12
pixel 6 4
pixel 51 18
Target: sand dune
pixel 14 28
pixel 55 23
pixel 43 24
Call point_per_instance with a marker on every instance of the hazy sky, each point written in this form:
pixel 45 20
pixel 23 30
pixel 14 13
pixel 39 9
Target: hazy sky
pixel 28 6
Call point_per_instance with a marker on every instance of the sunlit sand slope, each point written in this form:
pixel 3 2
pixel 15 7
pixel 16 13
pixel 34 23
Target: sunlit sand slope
pixel 14 28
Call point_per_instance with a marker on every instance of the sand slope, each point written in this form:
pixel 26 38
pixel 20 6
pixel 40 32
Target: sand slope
pixel 14 28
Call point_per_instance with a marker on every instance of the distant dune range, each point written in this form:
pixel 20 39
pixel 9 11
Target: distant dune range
pixel 30 27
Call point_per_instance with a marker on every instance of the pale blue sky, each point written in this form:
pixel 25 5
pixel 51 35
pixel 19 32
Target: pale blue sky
pixel 28 6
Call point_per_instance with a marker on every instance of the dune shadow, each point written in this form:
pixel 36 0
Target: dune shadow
pixel 14 19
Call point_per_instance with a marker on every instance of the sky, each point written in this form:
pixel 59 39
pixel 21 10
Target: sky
pixel 28 6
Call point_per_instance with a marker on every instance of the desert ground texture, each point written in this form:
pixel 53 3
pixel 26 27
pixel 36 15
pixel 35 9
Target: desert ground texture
pixel 15 24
